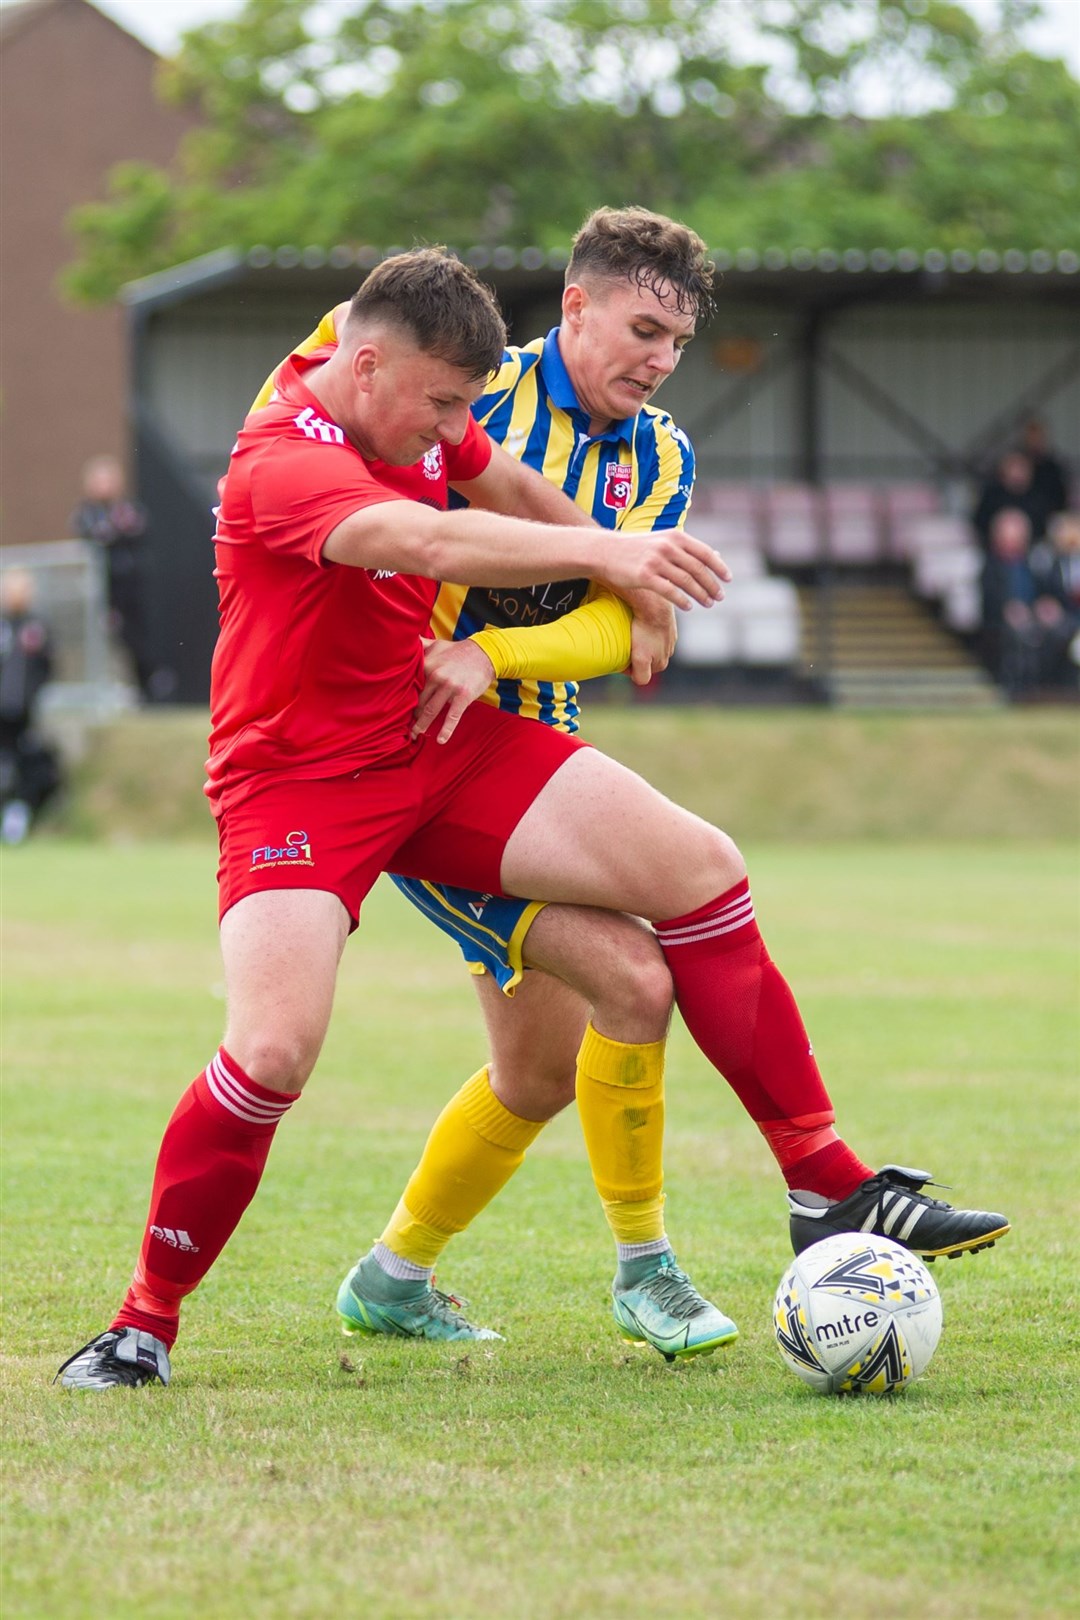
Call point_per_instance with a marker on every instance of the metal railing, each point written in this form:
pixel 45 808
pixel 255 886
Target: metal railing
pixel 70 595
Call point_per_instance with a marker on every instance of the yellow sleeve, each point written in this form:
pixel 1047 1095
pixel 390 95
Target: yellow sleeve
pixel 592 640
pixel 325 332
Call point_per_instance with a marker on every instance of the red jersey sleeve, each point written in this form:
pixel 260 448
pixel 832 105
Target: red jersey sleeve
pixel 469 458
pixel 301 491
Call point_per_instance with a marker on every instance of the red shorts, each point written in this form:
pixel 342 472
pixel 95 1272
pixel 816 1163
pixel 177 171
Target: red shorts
pixel 442 812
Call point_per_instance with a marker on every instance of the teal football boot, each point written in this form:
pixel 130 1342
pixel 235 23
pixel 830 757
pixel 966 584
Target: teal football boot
pixel 370 1302
pixel 662 1307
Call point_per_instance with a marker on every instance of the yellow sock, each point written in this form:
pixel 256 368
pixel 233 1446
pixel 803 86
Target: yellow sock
pixel 474 1148
pixel 620 1093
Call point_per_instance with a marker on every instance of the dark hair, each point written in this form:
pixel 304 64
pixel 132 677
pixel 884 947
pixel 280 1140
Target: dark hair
pixel 441 303
pixel 633 244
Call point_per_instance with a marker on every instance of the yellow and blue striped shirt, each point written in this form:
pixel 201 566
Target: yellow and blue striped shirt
pixel 637 476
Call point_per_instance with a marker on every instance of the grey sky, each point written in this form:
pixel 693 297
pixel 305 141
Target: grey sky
pixel 160 22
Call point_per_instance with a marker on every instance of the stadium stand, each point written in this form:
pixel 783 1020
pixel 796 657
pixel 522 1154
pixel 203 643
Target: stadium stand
pixel 903 505
pixel 793 525
pixel 863 593
pixel 759 625
pixel 853 524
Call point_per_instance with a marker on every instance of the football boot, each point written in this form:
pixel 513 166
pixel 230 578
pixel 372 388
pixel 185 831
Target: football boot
pixel 118 1356
pixel 892 1204
pixel 662 1308
pixel 370 1302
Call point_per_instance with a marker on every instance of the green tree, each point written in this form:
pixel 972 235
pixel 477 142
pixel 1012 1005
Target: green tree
pixel 488 121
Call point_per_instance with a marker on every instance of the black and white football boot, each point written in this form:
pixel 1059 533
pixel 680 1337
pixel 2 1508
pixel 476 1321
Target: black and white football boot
pixel 119 1356
pixel 892 1204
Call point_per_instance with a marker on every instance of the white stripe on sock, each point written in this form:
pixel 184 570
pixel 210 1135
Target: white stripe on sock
pixel 718 922
pixel 229 1092
pixel 672 942
pixel 235 1097
pixel 743 906
pixel 239 1088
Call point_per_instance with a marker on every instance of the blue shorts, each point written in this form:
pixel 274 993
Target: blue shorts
pixel 489 928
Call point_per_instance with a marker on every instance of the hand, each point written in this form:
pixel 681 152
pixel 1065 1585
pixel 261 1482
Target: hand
pixel 653 635
pixel 676 566
pixel 455 674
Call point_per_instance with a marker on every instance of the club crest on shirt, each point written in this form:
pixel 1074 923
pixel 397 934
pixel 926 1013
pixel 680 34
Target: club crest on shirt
pixel 432 462
pixel 617 486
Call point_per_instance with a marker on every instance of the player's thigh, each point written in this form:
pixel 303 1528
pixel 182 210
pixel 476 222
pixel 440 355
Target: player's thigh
pixel 598 834
pixel 613 961
pixel 533 1040
pixel 281 949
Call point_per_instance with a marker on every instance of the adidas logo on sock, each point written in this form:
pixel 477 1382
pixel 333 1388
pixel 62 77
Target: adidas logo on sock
pixel 175 1239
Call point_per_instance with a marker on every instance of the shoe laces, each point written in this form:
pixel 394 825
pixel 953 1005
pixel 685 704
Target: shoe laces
pixel 101 1346
pixel 672 1290
pixel 442 1307
pixel 889 1181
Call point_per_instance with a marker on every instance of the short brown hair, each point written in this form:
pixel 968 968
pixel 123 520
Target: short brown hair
pixel 441 303
pixel 633 244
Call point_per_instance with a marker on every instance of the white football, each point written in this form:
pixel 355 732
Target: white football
pixel 857 1313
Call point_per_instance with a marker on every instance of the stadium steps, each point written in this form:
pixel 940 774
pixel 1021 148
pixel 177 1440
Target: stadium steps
pixel 888 651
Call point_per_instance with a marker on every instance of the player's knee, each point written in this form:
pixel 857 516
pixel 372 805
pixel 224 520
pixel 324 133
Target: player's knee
pixel 534 1090
pixel 722 861
pixel 651 990
pixel 279 1061
pixel 636 1001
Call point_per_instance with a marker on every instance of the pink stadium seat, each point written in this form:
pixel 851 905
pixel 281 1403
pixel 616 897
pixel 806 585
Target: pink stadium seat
pixel 706 637
pixel 758 624
pixel 853 537
pixel 903 503
pixel 725 531
pixel 962 606
pixel 744 563
pixel 937 569
pixel 792 525
pixel 769 624
pixel 728 499
pixel 846 500
pixel 941 532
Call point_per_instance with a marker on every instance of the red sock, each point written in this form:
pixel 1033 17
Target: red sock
pixel 742 1014
pixel 210 1163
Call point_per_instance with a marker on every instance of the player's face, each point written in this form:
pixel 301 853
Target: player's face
pixel 413 401
pixel 619 341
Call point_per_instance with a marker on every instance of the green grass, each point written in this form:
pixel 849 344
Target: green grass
pixel 807 774
pixel 561 1474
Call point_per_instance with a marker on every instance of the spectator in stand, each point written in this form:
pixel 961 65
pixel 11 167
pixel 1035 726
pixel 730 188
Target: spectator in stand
pixel 109 519
pixel 1060 558
pixel 1026 630
pixel 1049 486
pixel 1056 565
pixel 29 769
pixel 1012 485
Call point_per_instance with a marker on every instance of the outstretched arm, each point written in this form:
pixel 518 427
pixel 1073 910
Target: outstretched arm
pixel 479 548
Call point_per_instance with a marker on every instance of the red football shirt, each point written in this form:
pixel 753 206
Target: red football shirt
pixel 318 665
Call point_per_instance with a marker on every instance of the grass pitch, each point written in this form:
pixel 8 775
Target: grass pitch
pixel 561 1474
